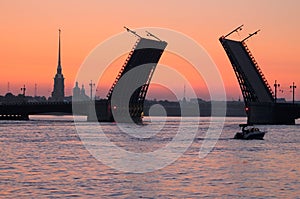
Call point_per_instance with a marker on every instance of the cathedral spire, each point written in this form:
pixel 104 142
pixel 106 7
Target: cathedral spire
pixel 58 93
pixel 59 64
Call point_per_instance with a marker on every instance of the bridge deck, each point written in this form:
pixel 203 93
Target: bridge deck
pixel 128 92
pixel 254 85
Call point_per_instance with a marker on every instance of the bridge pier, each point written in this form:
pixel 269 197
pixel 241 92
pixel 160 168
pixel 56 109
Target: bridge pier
pixel 271 113
pixel 14 117
pixel 99 111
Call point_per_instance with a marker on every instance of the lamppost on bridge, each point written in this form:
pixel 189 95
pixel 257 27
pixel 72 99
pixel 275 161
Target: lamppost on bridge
pixel 24 90
pixel 91 87
pixel 35 90
pixel 293 90
pixel 8 87
pixel 276 86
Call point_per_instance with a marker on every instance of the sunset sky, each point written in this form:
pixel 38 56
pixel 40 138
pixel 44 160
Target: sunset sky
pixel 29 37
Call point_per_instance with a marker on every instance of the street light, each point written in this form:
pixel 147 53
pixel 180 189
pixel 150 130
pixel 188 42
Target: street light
pixel 91 87
pixel 276 86
pixel 293 90
pixel 23 89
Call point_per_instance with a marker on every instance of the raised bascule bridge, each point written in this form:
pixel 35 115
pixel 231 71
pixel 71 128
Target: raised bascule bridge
pixel 260 101
pixel 125 99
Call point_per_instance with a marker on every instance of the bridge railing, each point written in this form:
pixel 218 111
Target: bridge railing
pixel 122 69
pixel 258 68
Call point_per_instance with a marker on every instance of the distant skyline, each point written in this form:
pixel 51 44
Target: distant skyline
pixel 29 38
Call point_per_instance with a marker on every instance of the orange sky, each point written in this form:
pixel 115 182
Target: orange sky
pixel 28 42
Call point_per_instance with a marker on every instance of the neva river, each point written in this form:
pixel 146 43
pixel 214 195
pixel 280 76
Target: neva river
pixel 46 158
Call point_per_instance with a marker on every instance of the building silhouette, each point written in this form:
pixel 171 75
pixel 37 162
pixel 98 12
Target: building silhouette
pixel 82 93
pixel 76 92
pixel 79 94
pixel 58 93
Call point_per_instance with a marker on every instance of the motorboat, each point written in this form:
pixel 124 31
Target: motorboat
pixel 249 133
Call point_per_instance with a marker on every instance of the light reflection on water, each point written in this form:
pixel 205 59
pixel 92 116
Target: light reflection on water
pixel 45 158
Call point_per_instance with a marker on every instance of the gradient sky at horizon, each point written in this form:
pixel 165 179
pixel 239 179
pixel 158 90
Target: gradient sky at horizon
pixel 29 31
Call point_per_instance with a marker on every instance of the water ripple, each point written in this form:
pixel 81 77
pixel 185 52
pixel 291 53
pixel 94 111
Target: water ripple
pixel 41 159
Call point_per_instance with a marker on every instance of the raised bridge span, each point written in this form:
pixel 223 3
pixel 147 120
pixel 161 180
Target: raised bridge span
pixel 260 104
pixel 125 99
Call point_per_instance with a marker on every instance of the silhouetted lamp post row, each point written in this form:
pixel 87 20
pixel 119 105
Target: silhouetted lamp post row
pixel 293 87
pixel 23 89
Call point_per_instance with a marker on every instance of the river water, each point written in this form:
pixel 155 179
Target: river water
pixel 46 158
